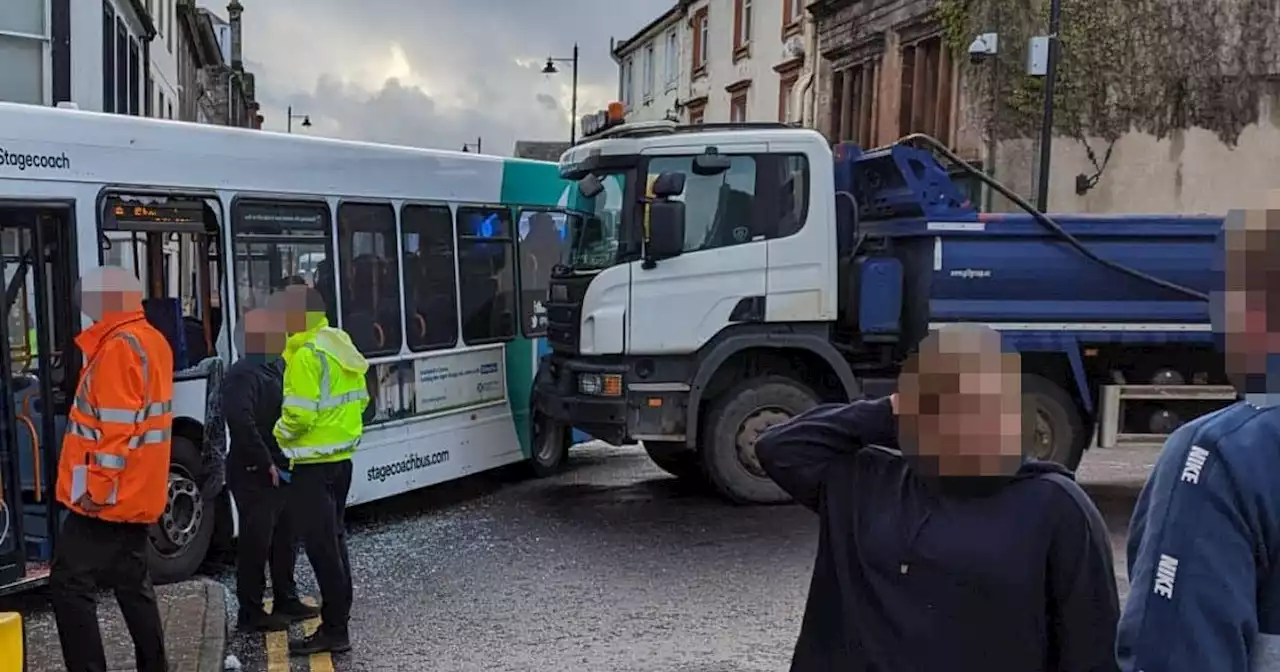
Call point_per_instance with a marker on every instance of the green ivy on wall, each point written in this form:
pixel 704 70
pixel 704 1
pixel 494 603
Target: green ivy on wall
pixel 1155 66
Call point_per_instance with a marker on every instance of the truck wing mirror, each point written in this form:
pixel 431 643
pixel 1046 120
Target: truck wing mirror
pixel 666 230
pixel 668 185
pixel 710 164
pixel 590 186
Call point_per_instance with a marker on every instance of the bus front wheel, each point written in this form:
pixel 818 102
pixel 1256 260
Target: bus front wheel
pixel 181 538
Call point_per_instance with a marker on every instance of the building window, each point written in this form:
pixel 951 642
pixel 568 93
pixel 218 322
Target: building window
pixel 741 29
pixel 738 107
pixel 23 35
pixel 701 28
pixel 122 67
pixel 649 73
pixel 628 83
pixel 792 16
pixel 169 12
pixel 786 86
pixel 486 278
pixel 430 288
pixel 673 59
pixel 108 57
pixel 696 115
pixel 370 276
pixel 170 110
pixel 928 75
pixel 135 78
pixel 853 108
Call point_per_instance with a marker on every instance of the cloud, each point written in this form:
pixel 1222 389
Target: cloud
pixel 435 73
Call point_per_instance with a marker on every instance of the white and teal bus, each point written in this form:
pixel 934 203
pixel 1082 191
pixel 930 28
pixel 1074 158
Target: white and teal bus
pixel 435 262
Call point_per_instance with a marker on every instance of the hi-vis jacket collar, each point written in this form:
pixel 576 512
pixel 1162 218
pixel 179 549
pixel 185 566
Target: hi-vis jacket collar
pixel 92 338
pixel 335 342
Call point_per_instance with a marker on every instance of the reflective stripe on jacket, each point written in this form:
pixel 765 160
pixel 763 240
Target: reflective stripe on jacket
pixel 325 395
pixel 118 430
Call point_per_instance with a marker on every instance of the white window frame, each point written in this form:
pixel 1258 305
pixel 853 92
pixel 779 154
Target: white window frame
pixel 704 35
pixel 733 107
pixel 744 24
pixel 46 52
pixel 650 72
pixel 628 82
pixel 673 59
pixel 797 11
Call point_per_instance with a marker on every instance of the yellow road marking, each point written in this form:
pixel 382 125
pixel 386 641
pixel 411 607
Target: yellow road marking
pixel 320 662
pixel 277 646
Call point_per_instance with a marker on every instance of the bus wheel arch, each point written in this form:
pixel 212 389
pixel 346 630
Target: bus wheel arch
pixel 180 540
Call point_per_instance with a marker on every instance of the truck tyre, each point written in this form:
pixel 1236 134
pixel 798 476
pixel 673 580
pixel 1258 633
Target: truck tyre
pixel 676 459
pixel 1054 427
pixel 180 540
pixel 550 445
pixel 733 425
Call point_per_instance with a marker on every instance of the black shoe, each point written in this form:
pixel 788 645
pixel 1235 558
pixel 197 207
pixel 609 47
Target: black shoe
pixel 262 622
pixel 295 610
pixel 319 642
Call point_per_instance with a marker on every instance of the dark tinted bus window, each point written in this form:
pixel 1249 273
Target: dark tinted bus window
pixel 541 234
pixel 486 281
pixel 370 276
pixel 430 288
pixel 279 244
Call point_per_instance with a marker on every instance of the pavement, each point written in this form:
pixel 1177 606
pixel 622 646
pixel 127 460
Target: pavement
pixel 195 628
pixel 612 565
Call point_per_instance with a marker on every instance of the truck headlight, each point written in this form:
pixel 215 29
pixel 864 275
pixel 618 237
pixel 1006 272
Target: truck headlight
pixel 600 385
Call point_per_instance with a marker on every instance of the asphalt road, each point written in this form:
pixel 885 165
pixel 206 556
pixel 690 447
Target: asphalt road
pixel 610 566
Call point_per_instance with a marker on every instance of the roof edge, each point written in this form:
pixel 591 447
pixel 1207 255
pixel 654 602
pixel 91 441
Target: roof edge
pixel 624 46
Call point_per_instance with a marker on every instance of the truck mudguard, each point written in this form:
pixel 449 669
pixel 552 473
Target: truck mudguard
pixel 719 352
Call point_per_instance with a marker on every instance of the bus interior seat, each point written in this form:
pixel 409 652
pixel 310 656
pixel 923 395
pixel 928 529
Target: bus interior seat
pixel 165 314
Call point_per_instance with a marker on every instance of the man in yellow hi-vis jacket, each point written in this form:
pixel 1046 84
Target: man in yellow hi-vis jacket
pixel 321 422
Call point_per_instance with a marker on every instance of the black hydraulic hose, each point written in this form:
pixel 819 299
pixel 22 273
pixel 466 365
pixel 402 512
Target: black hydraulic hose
pixel 1044 219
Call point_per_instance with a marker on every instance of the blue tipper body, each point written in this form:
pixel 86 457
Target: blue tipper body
pixel 923 254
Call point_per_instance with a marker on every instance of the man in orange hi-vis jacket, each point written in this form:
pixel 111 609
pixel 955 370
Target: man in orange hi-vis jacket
pixel 113 474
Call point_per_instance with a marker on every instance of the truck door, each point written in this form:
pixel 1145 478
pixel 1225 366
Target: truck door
pixel 680 303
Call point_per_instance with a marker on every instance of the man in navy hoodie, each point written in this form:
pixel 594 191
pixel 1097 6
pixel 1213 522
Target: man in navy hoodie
pixel 940 547
pixel 1204 541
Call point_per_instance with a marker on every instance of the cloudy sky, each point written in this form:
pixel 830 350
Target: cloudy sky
pixel 434 73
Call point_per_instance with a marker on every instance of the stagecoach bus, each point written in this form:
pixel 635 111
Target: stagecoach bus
pixel 435 262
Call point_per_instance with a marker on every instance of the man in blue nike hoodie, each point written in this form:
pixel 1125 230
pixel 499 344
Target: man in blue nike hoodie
pixel 940 547
pixel 1204 541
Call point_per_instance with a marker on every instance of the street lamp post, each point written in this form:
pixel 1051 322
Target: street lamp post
pixel 551 69
pixel 306 119
pixel 1050 83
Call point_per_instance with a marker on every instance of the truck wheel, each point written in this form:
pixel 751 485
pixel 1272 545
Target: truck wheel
pixel 732 428
pixel 676 459
pixel 550 449
pixel 181 538
pixel 1055 428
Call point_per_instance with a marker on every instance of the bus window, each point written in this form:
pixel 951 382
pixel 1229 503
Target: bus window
pixel 370 276
pixel 278 244
pixel 430 288
pixel 542 234
pixel 486 282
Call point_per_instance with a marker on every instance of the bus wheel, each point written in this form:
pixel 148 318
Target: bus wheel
pixel 550 449
pixel 676 459
pixel 181 538
pixel 734 424
pixel 1055 429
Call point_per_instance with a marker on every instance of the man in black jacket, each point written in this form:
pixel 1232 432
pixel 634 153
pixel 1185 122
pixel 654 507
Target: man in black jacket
pixel 257 473
pixel 940 547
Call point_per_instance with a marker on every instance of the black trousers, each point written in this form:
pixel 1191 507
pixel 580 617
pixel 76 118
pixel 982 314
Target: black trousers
pixel 94 554
pixel 317 504
pixel 266 539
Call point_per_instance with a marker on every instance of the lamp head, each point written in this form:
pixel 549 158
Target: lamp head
pixel 550 68
pixel 306 121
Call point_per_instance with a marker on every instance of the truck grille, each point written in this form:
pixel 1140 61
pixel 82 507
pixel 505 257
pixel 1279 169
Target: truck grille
pixel 564 313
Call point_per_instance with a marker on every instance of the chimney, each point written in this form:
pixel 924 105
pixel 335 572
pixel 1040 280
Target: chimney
pixel 234 10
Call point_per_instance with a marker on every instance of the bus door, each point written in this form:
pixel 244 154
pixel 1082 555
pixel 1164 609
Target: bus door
pixel 541 238
pixel 36 244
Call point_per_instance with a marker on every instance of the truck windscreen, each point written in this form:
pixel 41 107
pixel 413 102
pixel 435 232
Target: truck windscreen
pixel 593 239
